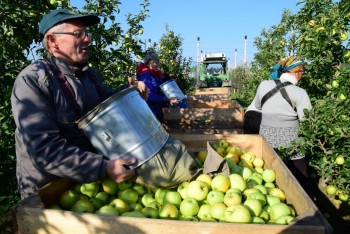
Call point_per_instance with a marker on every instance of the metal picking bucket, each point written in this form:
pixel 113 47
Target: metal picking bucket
pixel 172 90
pixel 124 126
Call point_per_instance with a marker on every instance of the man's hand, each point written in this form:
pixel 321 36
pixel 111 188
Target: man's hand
pixel 144 91
pixel 118 169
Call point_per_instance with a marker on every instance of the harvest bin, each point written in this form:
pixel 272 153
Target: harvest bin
pixel 222 90
pixel 207 120
pixel 32 217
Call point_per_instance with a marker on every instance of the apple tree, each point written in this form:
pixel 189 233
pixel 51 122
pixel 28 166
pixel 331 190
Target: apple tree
pixel 172 61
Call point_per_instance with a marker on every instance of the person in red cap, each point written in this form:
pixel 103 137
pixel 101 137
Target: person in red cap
pixel 49 96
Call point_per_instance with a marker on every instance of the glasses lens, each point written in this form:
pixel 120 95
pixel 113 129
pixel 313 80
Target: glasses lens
pixel 81 34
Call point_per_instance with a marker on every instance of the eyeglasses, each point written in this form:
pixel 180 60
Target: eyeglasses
pixel 79 34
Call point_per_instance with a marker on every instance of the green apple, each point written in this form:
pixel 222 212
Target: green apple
pixel 121 205
pixel 129 195
pixel 235 150
pixel 197 190
pixel 172 197
pixel 259 170
pixel 279 209
pixel 271 200
pixel 232 198
pixel 343 196
pixel 344 36
pixel 150 212
pixel 254 206
pixel 331 189
pixel 147 199
pixel 265 215
pixel 205 178
pixel 215 196
pixel 96 203
pixel 204 212
pixel 220 182
pixel 278 193
pixel 217 211
pixel 238 214
pixel 233 190
pixel 248 156
pixel 249 191
pixel 258 162
pixel 257 196
pixel 255 180
pixel 68 199
pixel 159 195
pixel 189 207
pixel 83 206
pixel 340 160
pixel 223 143
pixel 89 189
pixel 269 185
pixel 140 189
pixel 135 214
pixel 258 220
pixel 135 206
pixel 182 189
pixel 238 182
pixel 168 211
pixel 231 158
pixel 107 210
pixel 246 163
pixel 103 196
pixel 202 155
pixel 124 185
pixel 246 172
pixel 335 84
pixel 109 186
pixel 269 175
pixel 342 97
pixel 285 219
pixel 262 189
pixel 140 31
pixel 221 151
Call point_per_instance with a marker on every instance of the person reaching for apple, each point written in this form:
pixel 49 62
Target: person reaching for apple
pixel 49 96
pixel 283 110
pixel 149 73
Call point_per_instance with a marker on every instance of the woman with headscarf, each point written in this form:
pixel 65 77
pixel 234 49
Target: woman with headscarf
pixel 282 111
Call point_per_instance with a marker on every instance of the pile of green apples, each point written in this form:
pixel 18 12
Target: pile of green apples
pixel 247 195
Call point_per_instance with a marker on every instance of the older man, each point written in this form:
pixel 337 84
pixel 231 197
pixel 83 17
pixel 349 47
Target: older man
pixel 49 96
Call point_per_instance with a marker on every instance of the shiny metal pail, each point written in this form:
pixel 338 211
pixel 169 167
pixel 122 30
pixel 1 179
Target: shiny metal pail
pixel 172 90
pixel 124 126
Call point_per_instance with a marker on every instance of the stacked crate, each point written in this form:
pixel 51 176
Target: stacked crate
pixel 211 111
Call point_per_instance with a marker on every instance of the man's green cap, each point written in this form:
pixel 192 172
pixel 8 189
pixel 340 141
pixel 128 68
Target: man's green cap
pixel 60 15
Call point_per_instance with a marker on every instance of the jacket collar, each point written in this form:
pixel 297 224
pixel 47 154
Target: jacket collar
pixel 65 68
pixel 288 77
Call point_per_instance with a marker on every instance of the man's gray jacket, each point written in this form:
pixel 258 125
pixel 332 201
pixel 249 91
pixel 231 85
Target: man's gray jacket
pixel 48 143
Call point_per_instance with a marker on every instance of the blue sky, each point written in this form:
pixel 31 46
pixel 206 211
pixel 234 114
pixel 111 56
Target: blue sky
pixel 220 24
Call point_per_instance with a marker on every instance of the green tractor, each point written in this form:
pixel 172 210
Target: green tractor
pixel 214 71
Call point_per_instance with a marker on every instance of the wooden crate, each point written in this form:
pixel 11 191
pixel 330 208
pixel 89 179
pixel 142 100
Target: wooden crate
pixel 192 103
pixel 204 120
pixel 208 97
pixel 32 217
pixel 217 90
